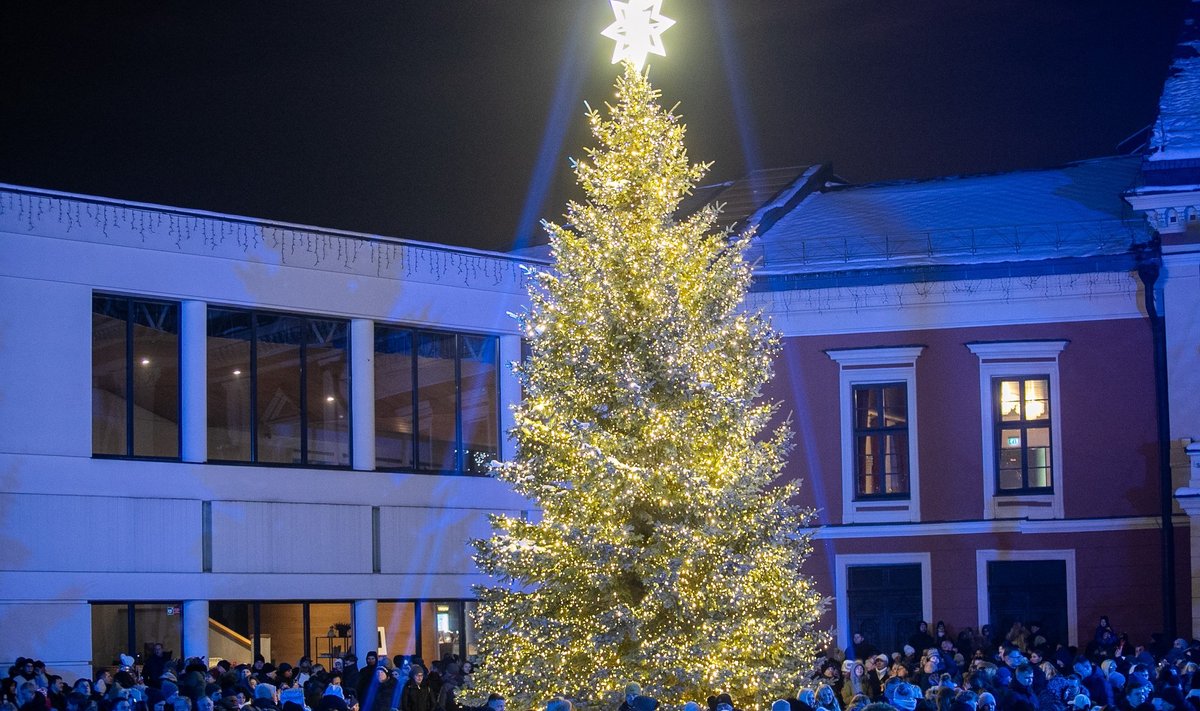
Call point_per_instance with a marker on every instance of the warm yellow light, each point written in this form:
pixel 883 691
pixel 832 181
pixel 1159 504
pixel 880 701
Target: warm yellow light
pixel 665 551
pixel 638 30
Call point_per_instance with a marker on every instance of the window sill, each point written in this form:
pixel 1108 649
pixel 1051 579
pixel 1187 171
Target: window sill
pixel 135 458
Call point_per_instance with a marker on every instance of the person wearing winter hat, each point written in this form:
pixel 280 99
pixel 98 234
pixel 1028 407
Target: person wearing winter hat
pixel 781 705
pixel 559 703
pixel 265 697
pixel 415 696
pixel 632 691
pixel 808 698
pixel 905 697
pixel 1116 685
pixel 986 702
pixel 644 703
pixel 853 681
pixel 876 677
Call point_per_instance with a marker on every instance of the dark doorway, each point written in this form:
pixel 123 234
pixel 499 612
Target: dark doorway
pixel 884 603
pixel 1028 591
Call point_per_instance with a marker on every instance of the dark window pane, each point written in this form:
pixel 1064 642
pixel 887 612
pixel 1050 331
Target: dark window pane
pixel 866 463
pixel 229 419
pixel 866 407
pixel 393 397
pixel 480 406
pixel 110 634
pixel 896 447
pixel 109 392
pixel 436 401
pixel 895 406
pixel 278 372
pixel 155 379
pixel 327 370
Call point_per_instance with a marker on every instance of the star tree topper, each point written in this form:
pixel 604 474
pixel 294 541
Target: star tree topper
pixel 638 30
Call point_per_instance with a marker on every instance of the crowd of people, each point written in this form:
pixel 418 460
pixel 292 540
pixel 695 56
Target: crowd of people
pixel 162 684
pixel 1025 670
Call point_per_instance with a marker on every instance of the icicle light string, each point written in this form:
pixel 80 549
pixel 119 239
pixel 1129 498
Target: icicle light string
pixel 34 213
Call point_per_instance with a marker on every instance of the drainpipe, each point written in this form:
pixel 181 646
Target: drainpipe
pixel 1149 266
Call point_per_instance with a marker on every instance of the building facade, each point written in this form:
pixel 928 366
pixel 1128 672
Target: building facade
pixel 974 397
pixel 238 437
pixel 235 436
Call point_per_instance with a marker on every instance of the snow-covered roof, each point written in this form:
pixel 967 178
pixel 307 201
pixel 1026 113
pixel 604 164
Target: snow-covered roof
pixel 1075 210
pixel 1176 132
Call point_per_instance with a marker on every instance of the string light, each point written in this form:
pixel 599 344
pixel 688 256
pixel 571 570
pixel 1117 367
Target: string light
pixel 666 552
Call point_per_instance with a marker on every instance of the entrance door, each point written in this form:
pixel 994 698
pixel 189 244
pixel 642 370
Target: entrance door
pixel 884 602
pixel 1028 591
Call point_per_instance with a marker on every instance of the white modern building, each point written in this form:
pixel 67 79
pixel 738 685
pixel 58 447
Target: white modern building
pixel 235 436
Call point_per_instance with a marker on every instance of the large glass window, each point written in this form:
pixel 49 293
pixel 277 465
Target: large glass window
pixel 134 629
pixel 331 624
pixel 441 629
pixel 437 397
pixel 881 440
pixel 281 631
pixel 480 414
pixel 278 388
pixel 135 377
pixel 395 379
pixel 436 400
pixel 1022 422
pixel 399 623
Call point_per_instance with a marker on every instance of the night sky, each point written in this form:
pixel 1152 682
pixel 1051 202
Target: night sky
pixel 451 120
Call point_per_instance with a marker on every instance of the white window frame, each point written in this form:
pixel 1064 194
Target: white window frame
pixel 1001 359
pixel 983 557
pixel 872 366
pixel 841 586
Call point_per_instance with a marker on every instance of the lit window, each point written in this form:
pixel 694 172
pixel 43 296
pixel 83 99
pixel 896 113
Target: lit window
pixel 1022 421
pixel 878 402
pixel 1022 445
pixel 881 440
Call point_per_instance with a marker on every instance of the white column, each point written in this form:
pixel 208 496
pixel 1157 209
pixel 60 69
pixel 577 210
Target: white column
pixel 1188 499
pixel 195 628
pixel 1193 462
pixel 193 374
pixel 362 394
pixel 366 628
pixel 510 392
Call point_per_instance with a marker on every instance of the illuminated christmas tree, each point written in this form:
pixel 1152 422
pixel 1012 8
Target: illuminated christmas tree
pixel 666 553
